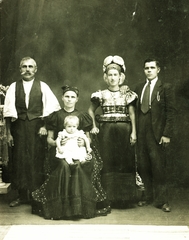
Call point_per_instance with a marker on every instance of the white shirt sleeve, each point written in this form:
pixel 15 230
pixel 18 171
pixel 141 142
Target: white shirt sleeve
pixel 9 104
pixel 50 102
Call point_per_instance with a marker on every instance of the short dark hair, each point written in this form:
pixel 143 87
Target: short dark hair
pixel 152 60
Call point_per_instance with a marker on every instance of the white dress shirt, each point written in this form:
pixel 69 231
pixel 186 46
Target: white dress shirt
pixel 50 102
pixel 27 88
pixel 152 84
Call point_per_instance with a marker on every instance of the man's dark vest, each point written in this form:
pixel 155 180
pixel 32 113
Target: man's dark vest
pixel 35 106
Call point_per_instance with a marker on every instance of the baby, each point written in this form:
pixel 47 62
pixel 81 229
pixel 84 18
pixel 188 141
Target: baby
pixel 71 151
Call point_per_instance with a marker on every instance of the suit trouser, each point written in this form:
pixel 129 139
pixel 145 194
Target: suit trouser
pixel 151 162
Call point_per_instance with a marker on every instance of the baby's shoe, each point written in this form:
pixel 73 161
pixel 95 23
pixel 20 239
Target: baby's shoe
pixel 73 165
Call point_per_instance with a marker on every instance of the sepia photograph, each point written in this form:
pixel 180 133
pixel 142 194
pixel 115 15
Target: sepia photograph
pixel 94 119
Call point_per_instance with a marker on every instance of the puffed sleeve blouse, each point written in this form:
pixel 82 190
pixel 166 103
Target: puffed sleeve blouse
pixel 114 104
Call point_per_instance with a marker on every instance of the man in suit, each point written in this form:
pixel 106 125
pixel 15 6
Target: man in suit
pixel 27 102
pixel 154 117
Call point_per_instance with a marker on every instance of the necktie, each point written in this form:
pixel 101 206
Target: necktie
pixel 146 98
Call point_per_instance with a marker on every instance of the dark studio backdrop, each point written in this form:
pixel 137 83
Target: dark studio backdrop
pixel 69 40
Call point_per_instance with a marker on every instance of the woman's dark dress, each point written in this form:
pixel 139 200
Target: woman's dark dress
pixel 118 173
pixel 70 192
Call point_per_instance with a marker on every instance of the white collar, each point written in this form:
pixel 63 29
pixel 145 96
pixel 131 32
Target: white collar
pixel 153 81
pixel 27 82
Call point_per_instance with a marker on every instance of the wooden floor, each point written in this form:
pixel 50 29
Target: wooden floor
pixel 132 223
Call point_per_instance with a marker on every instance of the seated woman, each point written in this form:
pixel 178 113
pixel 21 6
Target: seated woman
pixel 70 193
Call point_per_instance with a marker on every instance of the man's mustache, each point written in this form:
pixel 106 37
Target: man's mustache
pixel 24 73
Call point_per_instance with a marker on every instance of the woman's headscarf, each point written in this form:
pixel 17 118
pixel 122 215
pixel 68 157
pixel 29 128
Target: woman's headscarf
pixel 114 62
pixel 67 88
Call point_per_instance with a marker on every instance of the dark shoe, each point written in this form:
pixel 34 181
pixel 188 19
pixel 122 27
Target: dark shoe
pixel 36 208
pixel 142 203
pixel 101 212
pixel 166 208
pixel 15 203
pixel 38 212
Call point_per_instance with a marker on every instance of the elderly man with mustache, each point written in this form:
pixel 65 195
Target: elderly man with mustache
pixel 27 102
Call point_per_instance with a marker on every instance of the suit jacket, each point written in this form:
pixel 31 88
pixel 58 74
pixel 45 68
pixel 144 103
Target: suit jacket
pixel 162 109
